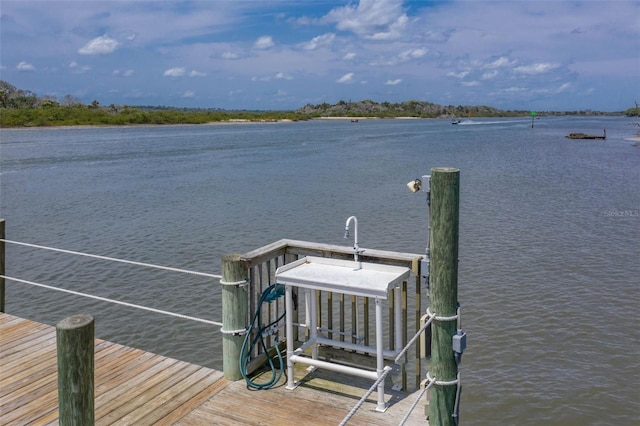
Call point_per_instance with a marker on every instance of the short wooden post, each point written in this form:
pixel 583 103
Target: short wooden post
pixel 445 185
pixel 75 344
pixel 235 303
pixel 2 237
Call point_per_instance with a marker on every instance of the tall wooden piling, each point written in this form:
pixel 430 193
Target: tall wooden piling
pixel 75 345
pixel 234 314
pixel 445 197
pixel 2 271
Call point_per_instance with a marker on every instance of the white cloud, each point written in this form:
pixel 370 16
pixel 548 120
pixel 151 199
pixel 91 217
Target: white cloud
pixel 347 78
pixel 514 89
pixel 319 41
pixel 500 63
pixel 459 75
pixel 349 56
pixel 470 83
pixel 533 69
pixel 229 55
pixel 77 69
pixel 195 73
pixel 413 54
pixel 125 73
pixel 264 42
pixel 282 76
pixel 489 75
pixel 393 82
pixel 276 76
pixel 99 46
pixel 25 66
pixel 188 94
pixel 371 19
pixel 175 72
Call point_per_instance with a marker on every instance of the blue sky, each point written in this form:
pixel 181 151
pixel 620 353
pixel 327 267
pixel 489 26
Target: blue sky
pixel 261 54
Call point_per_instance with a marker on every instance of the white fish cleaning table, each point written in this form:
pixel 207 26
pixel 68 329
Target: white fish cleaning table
pixel 349 277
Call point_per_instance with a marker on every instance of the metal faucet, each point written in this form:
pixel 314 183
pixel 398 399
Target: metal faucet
pixel 356 247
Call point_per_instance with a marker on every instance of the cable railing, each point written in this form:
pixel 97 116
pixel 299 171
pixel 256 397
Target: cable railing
pixel 112 259
pixel 117 302
pixel 105 299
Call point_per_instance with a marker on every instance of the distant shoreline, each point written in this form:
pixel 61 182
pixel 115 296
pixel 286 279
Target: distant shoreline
pixel 215 123
pixel 373 118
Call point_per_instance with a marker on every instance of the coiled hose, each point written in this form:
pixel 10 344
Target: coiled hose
pixel 269 294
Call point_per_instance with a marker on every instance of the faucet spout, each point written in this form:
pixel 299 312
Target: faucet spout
pixel 356 247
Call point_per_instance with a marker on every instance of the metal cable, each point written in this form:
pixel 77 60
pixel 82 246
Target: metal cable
pixel 117 302
pixel 415 403
pixel 149 265
pixel 415 337
pixel 386 371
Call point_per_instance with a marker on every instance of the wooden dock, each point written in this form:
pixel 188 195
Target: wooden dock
pixel 137 387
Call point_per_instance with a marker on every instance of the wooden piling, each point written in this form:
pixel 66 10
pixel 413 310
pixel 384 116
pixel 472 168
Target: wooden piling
pixel 75 347
pixel 2 271
pixel 234 313
pixel 445 195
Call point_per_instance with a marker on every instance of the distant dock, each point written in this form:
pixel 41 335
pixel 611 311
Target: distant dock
pixel 137 387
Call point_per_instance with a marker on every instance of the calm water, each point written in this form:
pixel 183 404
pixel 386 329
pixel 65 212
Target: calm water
pixel 549 238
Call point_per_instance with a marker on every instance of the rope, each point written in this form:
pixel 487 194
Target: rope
pixel 238 332
pixel 415 403
pixel 117 302
pixel 437 318
pixel 113 259
pixel 386 371
pixel 442 383
pixel 415 337
pixel 234 283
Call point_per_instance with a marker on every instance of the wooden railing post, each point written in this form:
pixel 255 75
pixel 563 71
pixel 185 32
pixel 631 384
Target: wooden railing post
pixel 75 345
pixel 234 313
pixel 2 237
pixel 445 197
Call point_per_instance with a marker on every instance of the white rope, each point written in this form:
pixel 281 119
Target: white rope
pixel 113 259
pixel 415 403
pixel 386 371
pixel 415 337
pixel 234 283
pixel 239 332
pixel 437 318
pixel 117 302
pixel 442 383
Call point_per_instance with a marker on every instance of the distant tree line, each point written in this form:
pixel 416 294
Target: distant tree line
pixel 23 108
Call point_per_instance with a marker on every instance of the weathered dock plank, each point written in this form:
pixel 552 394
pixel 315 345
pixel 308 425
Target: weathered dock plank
pixel 137 387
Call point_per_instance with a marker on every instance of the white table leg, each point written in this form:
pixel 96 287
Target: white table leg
pixel 382 406
pixel 289 328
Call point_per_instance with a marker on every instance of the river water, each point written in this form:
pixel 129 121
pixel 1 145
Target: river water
pixel 549 238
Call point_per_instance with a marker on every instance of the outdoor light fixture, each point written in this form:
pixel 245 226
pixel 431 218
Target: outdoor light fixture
pixel 414 185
